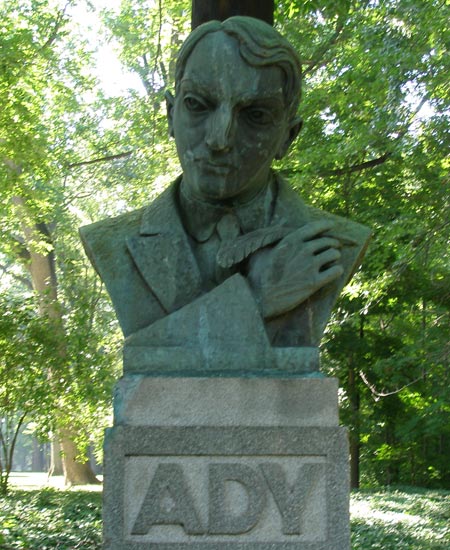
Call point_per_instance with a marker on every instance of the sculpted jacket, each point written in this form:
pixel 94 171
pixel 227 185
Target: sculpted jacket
pixel 150 272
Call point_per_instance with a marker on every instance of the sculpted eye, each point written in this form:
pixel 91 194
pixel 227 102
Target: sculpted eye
pixel 194 105
pixel 258 116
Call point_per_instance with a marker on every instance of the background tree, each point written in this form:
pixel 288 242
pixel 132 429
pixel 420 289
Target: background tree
pixel 373 148
pixel 45 123
pixel 25 394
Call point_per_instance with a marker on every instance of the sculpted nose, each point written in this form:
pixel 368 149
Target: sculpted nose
pixel 219 134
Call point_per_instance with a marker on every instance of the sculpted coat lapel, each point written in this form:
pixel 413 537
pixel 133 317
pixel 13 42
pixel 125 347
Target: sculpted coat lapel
pixel 145 261
pixel 149 269
pixel 163 256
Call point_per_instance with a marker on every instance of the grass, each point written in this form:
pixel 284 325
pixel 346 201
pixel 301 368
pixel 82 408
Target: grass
pixel 50 518
pixel 402 519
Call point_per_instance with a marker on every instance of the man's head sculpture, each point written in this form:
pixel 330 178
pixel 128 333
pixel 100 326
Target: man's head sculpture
pixel 227 270
pixel 237 87
pixel 260 45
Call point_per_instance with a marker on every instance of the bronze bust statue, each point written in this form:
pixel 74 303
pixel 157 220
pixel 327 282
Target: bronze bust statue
pixel 227 270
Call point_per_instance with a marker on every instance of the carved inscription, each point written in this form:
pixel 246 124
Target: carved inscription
pixel 291 500
pixel 170 500
pixel 223 522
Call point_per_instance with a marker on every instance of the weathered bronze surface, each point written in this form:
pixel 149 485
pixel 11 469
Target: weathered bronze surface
pixel 228 270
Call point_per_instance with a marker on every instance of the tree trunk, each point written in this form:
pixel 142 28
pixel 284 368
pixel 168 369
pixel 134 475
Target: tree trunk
pixel 355 406
pixel 37 462
pixel 43 276
pixel 75 471
pixel 206 10
pixel 353 393
pixel 56 463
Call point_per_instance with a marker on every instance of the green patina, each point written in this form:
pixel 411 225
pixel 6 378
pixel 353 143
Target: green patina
pixel 228 271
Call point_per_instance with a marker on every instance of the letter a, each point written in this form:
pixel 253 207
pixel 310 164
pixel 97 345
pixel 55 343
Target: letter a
pixel 168 481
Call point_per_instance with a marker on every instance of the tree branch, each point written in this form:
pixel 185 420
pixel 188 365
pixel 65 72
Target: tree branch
pixel 318 60
pixel 384 157
pixel 24 280
pixel 378 395
pixel 357 167
pixel 13 443
pixel 158 47
pixel 100 159
pixel 59 21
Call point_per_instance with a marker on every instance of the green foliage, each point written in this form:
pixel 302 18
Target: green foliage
pixel 400 520
pixel 25 393
pixel 49 122
pixel 404 519
pixel 41 78
pixel 374 148
pixel 46 519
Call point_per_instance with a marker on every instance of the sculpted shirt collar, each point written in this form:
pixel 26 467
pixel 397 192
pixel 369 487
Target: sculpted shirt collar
pixel 200 218
pixel 281 206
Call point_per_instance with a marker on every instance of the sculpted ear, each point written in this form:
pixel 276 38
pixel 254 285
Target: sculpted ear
pixel 294 129
pixel 170 102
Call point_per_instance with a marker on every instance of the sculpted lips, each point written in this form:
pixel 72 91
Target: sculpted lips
pixel 213 166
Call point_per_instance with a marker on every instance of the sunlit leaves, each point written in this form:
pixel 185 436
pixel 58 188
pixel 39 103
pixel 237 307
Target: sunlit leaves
pixel 374 147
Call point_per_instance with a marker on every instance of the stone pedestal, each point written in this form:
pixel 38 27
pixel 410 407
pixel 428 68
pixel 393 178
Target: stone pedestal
pixel 226 463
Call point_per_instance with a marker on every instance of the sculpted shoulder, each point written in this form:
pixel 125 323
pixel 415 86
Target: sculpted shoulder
pixel 105 241
pixel 126 276
pixel 290 209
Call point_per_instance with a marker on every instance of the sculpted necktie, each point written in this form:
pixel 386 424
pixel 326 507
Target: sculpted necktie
pixel 237 248
pixel 228 229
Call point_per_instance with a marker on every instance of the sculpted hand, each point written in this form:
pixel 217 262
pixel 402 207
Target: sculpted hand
pixel 304 261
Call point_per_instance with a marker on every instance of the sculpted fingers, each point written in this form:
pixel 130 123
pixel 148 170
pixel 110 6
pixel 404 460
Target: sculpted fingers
pixel 330 274
pixel 311 230
pixel 309 253
pixel 324 243
pixel 329 256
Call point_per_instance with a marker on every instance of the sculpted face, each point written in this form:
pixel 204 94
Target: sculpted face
pixel 229 121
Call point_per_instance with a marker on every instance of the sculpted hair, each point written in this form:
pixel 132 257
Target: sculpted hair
pixel 259 45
